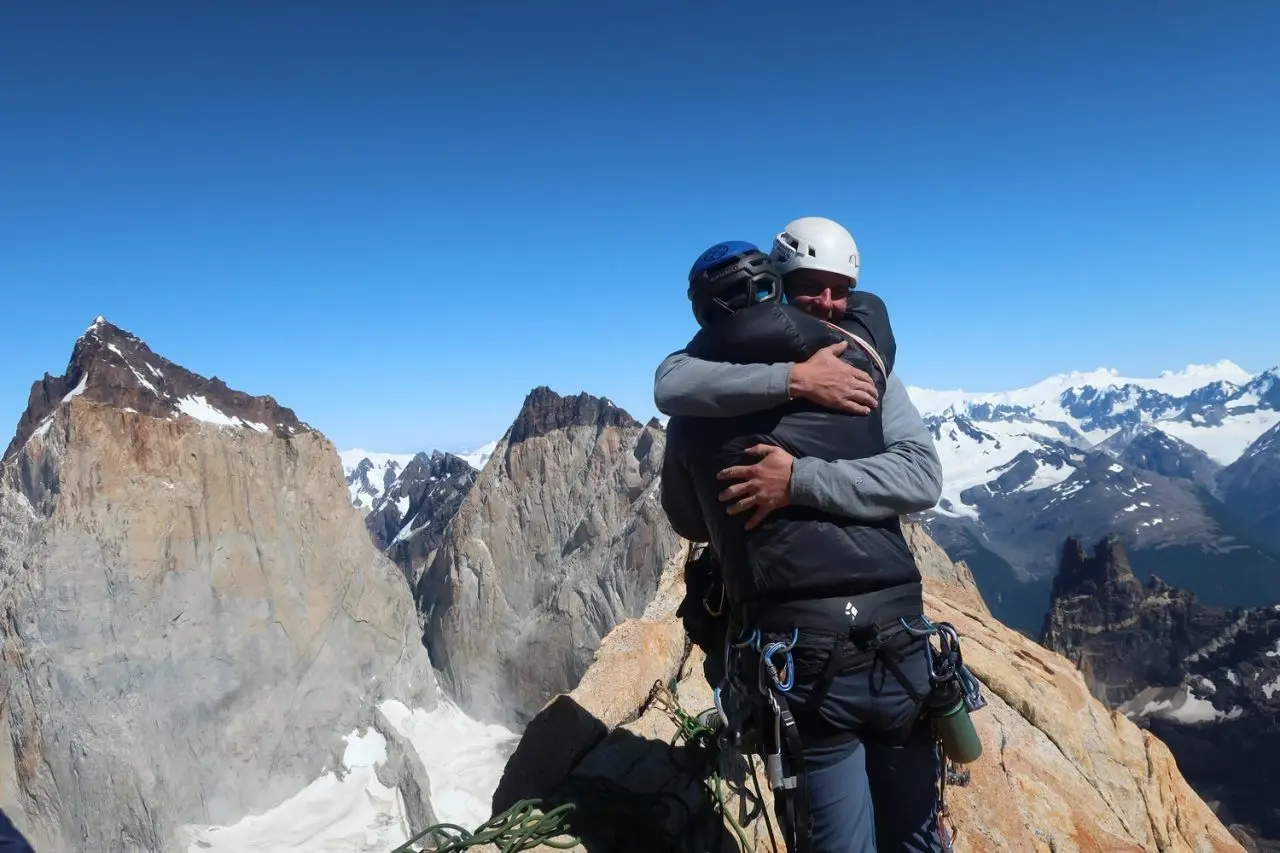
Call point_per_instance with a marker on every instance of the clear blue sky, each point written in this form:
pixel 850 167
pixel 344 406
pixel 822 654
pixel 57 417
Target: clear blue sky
pixel 399 218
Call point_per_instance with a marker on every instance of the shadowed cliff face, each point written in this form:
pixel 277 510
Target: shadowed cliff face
pixel 550 549
pixel 1060 772
pixel 409 520
pixel 192 616
pixel 1204 679
pixel 1251 485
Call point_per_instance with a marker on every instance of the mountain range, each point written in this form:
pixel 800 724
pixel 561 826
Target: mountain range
pixel 1185 467
pixel 206 648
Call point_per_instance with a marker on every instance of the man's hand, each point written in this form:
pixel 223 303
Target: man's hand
pixel 826 380
pixel 765 486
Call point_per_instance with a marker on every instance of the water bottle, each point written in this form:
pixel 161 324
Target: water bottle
pixel 952 724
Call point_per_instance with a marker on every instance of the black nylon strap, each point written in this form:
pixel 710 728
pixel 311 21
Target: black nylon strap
pixel 796 801
pixel 893 660
pixel 835 660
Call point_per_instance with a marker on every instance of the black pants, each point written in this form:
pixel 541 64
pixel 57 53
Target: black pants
pixel 878 793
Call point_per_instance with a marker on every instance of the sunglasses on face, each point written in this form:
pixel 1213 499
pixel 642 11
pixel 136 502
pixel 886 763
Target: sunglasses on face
pixel 815 287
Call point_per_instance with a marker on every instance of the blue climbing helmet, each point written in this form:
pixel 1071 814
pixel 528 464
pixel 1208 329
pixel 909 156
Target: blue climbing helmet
pixel 731 276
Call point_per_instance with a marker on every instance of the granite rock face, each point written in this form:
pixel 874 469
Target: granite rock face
pixel 1061 773
pixel 192 615
pixel 561 538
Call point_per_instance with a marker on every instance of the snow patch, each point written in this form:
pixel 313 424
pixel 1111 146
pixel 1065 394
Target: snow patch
pixel 1178 705
pixel 1225 442
pixel 357 814
pixel 464 758
pixel 79 389
pixel 143 381
pixel 365 491
pixel 199 408
pixel 1046 475
pixel 972 454
pixel 367 751
pixel 480 456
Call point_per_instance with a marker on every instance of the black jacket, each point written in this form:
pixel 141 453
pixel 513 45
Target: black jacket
pixel 796 553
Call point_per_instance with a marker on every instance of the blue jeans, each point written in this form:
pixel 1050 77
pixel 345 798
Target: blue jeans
pixel 876 798
pixel 872 795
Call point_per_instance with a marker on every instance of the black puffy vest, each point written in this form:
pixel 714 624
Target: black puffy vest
pixel 796 553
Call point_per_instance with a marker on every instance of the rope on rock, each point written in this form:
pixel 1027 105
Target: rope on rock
pixel 644 817
pixel 524 826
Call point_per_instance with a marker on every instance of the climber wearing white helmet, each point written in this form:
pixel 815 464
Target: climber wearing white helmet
pixel 819 264
pixel 866 795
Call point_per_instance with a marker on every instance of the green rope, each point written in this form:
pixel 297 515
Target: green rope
pixel 600 804
pixel 524 826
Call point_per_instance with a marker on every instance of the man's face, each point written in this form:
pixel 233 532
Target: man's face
pixel 823 294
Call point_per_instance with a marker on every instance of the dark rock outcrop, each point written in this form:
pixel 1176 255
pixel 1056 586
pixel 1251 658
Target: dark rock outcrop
pixel 1250 486
pixel 544 411
pixel 1161 453
pixel 109 365
pixel 431 488
pixel 1124 637
pixel 1206 680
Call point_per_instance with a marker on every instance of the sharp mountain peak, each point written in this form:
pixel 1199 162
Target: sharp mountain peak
pixel 112 366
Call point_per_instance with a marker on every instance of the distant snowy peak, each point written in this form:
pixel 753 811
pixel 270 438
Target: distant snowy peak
pixel 112 366
pixel 479 457
pixel 1048 392
pixel 370 475
pixel 1219 409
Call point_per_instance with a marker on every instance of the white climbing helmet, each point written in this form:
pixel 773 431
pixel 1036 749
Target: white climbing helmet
pixel 816 243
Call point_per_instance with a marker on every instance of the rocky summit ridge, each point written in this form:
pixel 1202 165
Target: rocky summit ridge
pixel 110 365
pixel 1061 773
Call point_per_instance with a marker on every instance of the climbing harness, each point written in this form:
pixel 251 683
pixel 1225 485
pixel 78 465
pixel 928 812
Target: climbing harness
pixel 954 694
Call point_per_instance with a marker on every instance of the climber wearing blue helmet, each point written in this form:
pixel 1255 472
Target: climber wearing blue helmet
pixel 729 277
pixel 825 574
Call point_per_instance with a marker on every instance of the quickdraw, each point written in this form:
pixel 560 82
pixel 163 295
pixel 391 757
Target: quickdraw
pixel 947 663
pixel 735 706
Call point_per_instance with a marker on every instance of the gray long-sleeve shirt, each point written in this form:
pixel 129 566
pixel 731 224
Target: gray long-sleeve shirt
pixel 905 478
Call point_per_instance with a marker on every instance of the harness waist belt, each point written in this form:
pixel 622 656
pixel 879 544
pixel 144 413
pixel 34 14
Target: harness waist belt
pixel 883 607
